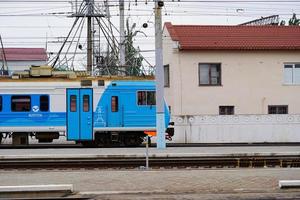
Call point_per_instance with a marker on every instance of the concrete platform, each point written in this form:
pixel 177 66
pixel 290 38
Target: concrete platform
pixel 289 183
pixel 212 184
pixel 33 191
pixel 227 151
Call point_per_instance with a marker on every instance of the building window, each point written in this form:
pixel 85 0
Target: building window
pixel 44 103
pixel 114 104
pixel 292 73
pixel 226 110
pixel 167 75
pixel 20 103
pixel 275 109
pixel 209 74
pixel 146 98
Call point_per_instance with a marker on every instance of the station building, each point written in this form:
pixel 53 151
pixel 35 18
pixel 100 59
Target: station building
pixel 20 59
pixel 233 84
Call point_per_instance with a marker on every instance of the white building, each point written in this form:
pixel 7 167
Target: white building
pixel 233 84
pixel 23 58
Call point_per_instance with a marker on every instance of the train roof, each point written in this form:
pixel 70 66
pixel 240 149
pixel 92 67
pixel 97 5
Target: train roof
pixel 123 83
pixel 133 83
pixel 118 79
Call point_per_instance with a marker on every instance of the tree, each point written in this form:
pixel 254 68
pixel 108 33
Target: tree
pixel 133 58
pixel 294 21
pixel 107 63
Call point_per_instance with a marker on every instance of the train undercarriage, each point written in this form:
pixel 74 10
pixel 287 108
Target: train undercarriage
pixel 102 139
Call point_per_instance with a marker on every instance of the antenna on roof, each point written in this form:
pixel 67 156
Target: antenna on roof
pixel 272 20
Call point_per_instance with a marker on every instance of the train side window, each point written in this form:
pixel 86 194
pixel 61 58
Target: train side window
pixel 142 98
pixel 0 103
pixel 151 99
pixel 44 103
pixel 73 103
pixel 114 104
pixel 146 98
pixel 86 103
pixel 20 103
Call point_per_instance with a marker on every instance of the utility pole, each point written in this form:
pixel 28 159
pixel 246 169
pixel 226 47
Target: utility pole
pixel 159 77
pixel 90 4
pixel 122 36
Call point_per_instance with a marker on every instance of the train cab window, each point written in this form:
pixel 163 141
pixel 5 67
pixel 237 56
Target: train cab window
pixel 142 98
pixel 146 98
pixel 151 99
pixel 20 103
pixel 73 103
pixel 86 103
pixel 114 104
pixel 0 103
pixel 44 103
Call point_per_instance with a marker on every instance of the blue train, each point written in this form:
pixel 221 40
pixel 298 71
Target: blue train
pixel 90 112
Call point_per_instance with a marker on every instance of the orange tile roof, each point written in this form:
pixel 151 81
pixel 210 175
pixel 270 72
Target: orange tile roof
pixel 196 37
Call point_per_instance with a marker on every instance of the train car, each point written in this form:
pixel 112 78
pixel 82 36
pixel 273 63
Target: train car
pixel 90 112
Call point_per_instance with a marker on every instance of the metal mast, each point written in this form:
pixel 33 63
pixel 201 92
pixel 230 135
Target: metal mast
pixel 86 10
pixel 90 4
pixel 122 36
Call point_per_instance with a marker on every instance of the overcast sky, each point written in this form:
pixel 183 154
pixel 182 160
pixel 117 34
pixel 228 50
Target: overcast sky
pixel 35 23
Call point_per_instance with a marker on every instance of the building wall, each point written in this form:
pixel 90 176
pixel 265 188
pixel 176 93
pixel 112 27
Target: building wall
pixel 22 65
pixel 251 80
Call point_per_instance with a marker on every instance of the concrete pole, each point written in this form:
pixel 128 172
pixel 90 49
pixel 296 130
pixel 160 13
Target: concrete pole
pixel 122 36
pixel 159 77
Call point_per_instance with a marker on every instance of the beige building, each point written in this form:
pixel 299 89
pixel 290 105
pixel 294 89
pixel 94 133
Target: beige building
pixel 233 84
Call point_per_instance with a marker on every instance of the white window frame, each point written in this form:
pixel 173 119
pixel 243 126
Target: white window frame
pixel 210 76
pixel 293 81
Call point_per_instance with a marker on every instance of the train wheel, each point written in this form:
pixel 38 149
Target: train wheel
pixel 133 141
pixel 103 140
pixel 89 144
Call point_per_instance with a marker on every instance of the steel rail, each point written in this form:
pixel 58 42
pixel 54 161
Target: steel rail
pixel 49 198
pixel 155 162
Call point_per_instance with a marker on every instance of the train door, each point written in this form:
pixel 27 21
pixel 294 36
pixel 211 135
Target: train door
pixel 115 111
pixel 80 114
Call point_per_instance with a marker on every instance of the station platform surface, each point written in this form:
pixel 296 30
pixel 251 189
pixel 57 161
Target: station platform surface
pixel 154 152
pixel 180 184
pixel 136 184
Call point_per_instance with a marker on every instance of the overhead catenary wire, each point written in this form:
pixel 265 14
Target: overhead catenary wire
pixel 184 8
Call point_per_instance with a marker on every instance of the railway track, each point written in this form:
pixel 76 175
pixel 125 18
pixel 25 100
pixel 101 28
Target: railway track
pixel 49 198
pixel 65 145
pixel 161 162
